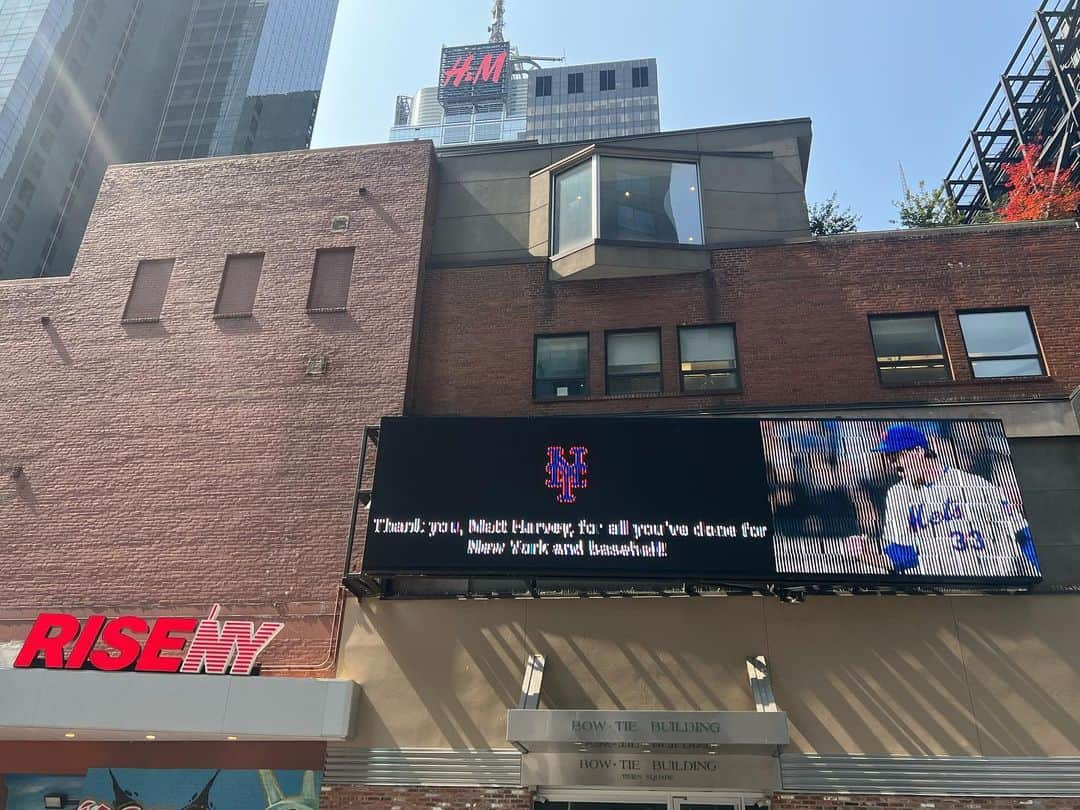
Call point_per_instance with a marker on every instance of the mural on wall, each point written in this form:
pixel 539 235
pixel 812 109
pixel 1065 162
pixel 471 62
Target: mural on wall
pixel 138 789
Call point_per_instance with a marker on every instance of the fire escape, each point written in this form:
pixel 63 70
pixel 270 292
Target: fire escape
pixel 1037 100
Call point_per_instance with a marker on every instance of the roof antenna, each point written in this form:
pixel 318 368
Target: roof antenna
pixel 498 12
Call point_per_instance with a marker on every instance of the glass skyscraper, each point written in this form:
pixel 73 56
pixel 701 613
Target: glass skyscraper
pixel 86 83
pixel 248 78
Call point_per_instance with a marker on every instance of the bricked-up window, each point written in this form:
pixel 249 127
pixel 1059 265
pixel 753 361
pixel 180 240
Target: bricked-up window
pixel 909 348
pixel 239 283
pixel 330 280
pixel 633 362
pixel 1001 344
pixel 543 86
pixel 707 360
pixel 562 366
pixel 148 291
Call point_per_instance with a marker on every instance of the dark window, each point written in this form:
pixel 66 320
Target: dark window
pixel 239 282
pixel 34 164
pixel 1001 344
pixel 330 280
pixel 575 82
pixel 45 139
pixel 148 290
pixel 909 348
pixel 639 76
pixel 15 217
pixel 6 244
pixel 562 366
pixel 607 80
pixel 633 362
pixel 26 191
pixel 707 360
pixel 543 86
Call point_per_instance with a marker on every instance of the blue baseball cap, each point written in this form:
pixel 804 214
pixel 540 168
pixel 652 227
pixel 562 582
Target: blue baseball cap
pixel 901 437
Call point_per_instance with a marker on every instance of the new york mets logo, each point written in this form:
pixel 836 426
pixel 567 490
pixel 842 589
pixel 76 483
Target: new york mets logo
pixel 566 476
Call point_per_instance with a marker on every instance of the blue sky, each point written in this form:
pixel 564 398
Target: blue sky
pixel 884 82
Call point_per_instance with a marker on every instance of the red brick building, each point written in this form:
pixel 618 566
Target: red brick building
pixel 185 418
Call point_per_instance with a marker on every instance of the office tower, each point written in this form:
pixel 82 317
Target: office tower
pixel 80 87
pixel 87 83
pixel 248 78
pixel 548 104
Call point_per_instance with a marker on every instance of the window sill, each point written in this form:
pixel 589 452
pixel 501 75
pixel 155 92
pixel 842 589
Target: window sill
pixel 222 316
pixel 325 310
pixel 578 398
pixel 136 321
pixel 969 381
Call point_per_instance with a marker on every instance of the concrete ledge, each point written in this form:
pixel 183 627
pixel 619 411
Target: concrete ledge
pixel 45 704
pixel 605 260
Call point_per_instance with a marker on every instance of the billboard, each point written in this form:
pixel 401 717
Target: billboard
pixel 147 789
pixel 726 500
pixel 469 74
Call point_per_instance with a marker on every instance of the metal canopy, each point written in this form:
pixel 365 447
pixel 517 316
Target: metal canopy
pixel 48 704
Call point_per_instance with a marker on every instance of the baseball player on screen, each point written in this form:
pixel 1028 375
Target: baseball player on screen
pixel 941 521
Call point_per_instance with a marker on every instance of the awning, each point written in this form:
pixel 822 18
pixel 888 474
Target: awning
pixel 570 730
pixel 593 748
pixel 48 704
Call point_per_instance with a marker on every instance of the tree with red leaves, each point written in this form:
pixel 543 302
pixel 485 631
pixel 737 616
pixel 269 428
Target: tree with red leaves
pixel 1035 193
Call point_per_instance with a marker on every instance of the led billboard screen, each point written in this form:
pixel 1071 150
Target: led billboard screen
pixel 825 501
pixel 470 74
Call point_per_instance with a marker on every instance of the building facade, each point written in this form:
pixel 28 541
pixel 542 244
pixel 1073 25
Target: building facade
pixel 546 104
pixel 89 84
pixel 248 78
pixel 197 419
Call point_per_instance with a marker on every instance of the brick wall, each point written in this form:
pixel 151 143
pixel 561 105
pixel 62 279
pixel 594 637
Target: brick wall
pixel 797 801
pixel 375 797
pixel 800 313
pixel 170 465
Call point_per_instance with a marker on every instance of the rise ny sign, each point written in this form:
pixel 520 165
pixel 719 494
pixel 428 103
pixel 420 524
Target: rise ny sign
pixel 166 644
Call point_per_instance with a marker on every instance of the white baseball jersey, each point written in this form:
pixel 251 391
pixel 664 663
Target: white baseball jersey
pixel 960 525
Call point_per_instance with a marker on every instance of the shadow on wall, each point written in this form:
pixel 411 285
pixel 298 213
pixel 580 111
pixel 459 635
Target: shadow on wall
pixel 463 661
pixel 1023 664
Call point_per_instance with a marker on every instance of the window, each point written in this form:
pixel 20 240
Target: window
pixel 607 80
pixel 148 291
pixel 26 191
pixel 639 76
pixel 633 362
pixel 1001 344
pixel 573 220
pixel 575 82
pixel 649 201
pixel 330 280
pixel 15 217
pixel 640 200
pixel 562 366
pixel 239 283
pixel 909 349
pixel 543 86
pixel 707 360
